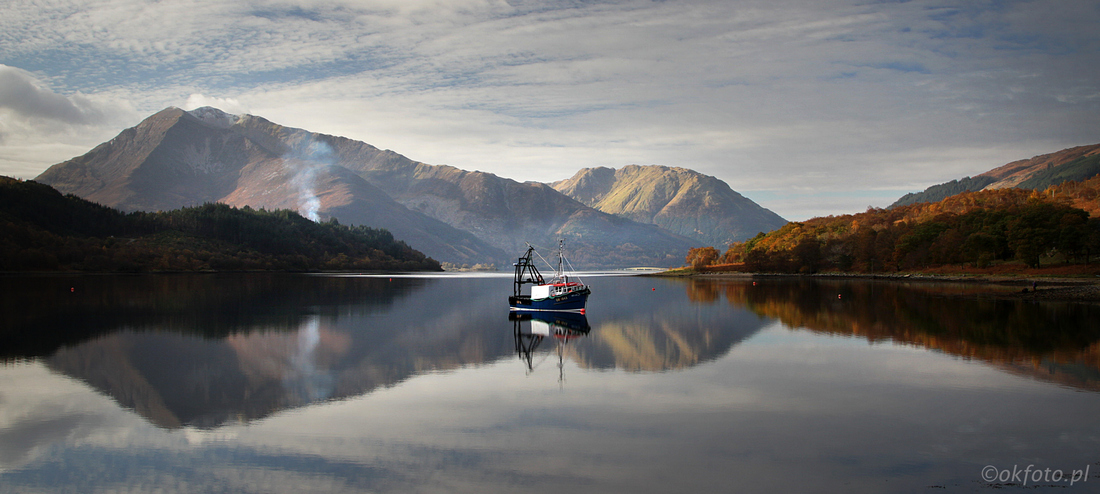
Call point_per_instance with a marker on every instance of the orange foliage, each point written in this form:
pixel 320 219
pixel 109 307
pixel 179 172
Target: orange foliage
pixel 1082 195
pixel 973 227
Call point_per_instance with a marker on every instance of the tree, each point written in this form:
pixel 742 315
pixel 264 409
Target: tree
pixel 701 257
pixel 1073 234
pixel 807 255
pixel 1034 231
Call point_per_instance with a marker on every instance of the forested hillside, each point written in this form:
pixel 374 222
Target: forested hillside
pixel 42 230
pixel 973 228
pixel 940 192
pixel 1037 173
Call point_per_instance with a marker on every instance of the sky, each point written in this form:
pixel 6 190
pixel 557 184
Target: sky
pixel 809 108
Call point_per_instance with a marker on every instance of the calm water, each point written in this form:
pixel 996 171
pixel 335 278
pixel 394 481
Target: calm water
pixel 284 383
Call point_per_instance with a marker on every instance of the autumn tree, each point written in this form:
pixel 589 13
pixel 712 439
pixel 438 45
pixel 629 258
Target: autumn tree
pixel 701 257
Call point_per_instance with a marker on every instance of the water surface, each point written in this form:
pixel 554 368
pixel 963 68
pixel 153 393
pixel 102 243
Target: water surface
pixel 304 383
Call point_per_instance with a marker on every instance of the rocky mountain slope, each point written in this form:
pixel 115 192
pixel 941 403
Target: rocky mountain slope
pixel 176 158
pixel 1077 163
pixel 680 200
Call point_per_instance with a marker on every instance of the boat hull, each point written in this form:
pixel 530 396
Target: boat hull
pixel 570 302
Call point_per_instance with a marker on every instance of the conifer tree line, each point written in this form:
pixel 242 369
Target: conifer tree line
pixel 42 230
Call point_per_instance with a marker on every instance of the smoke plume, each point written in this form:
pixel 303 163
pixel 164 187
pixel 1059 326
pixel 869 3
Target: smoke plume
pixel 307 160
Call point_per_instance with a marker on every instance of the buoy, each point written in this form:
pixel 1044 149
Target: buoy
pixel 72 290
pixel 838 295
pixel 654 289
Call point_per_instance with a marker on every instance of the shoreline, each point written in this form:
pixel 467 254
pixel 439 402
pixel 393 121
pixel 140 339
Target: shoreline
pixel 1036 288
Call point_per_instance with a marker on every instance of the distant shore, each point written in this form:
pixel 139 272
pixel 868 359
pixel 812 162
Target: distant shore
pixel 1039 288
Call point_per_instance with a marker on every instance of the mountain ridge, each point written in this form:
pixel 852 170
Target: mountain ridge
pixel 678 199
pixel 178 158
pixel 1038 172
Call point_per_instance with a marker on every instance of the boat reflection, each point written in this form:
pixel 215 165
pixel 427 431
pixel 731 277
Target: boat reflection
pixel 561 326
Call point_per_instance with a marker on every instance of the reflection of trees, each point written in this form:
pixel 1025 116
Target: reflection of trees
pixel 1057 340
pixel 42 313
pixel 702 291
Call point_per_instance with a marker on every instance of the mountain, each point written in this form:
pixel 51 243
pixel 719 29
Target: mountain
pixel 176 158
pixel 680 200
pixel 204 351
pixel 1078 163
pixel 507 214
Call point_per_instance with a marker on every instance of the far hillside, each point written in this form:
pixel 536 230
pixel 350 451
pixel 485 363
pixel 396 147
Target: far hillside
pixel 42 230
pixel 1058 225
pixel 1074 164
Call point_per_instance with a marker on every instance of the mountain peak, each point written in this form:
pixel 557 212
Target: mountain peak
pixel 214 116
pixel 680 200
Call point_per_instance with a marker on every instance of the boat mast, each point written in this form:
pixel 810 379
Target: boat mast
pixel 561 260
pixel 526 272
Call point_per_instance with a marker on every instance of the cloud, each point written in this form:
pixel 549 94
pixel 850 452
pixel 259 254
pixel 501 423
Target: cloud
pixel 228 105
pixel 22 94
pixel 39 127
pixel 768 96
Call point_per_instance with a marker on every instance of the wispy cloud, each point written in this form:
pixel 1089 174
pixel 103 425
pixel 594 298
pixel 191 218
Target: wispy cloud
pixel 770 96
pixel 21 93
pixel 40 127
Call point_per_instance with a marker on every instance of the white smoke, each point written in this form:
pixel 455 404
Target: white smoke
pixel 308 160
pixel 308 203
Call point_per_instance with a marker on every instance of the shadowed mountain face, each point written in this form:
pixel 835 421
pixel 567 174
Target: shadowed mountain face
pixel 176 158
pixel 683 201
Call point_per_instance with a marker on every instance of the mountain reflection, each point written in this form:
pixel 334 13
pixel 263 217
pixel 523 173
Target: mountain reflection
pixel 174 379
pixel 1053 341
pixel 204 351
pixel 208 350
pixel 640 330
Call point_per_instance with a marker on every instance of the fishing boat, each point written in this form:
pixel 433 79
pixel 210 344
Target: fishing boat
pixel 562 293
